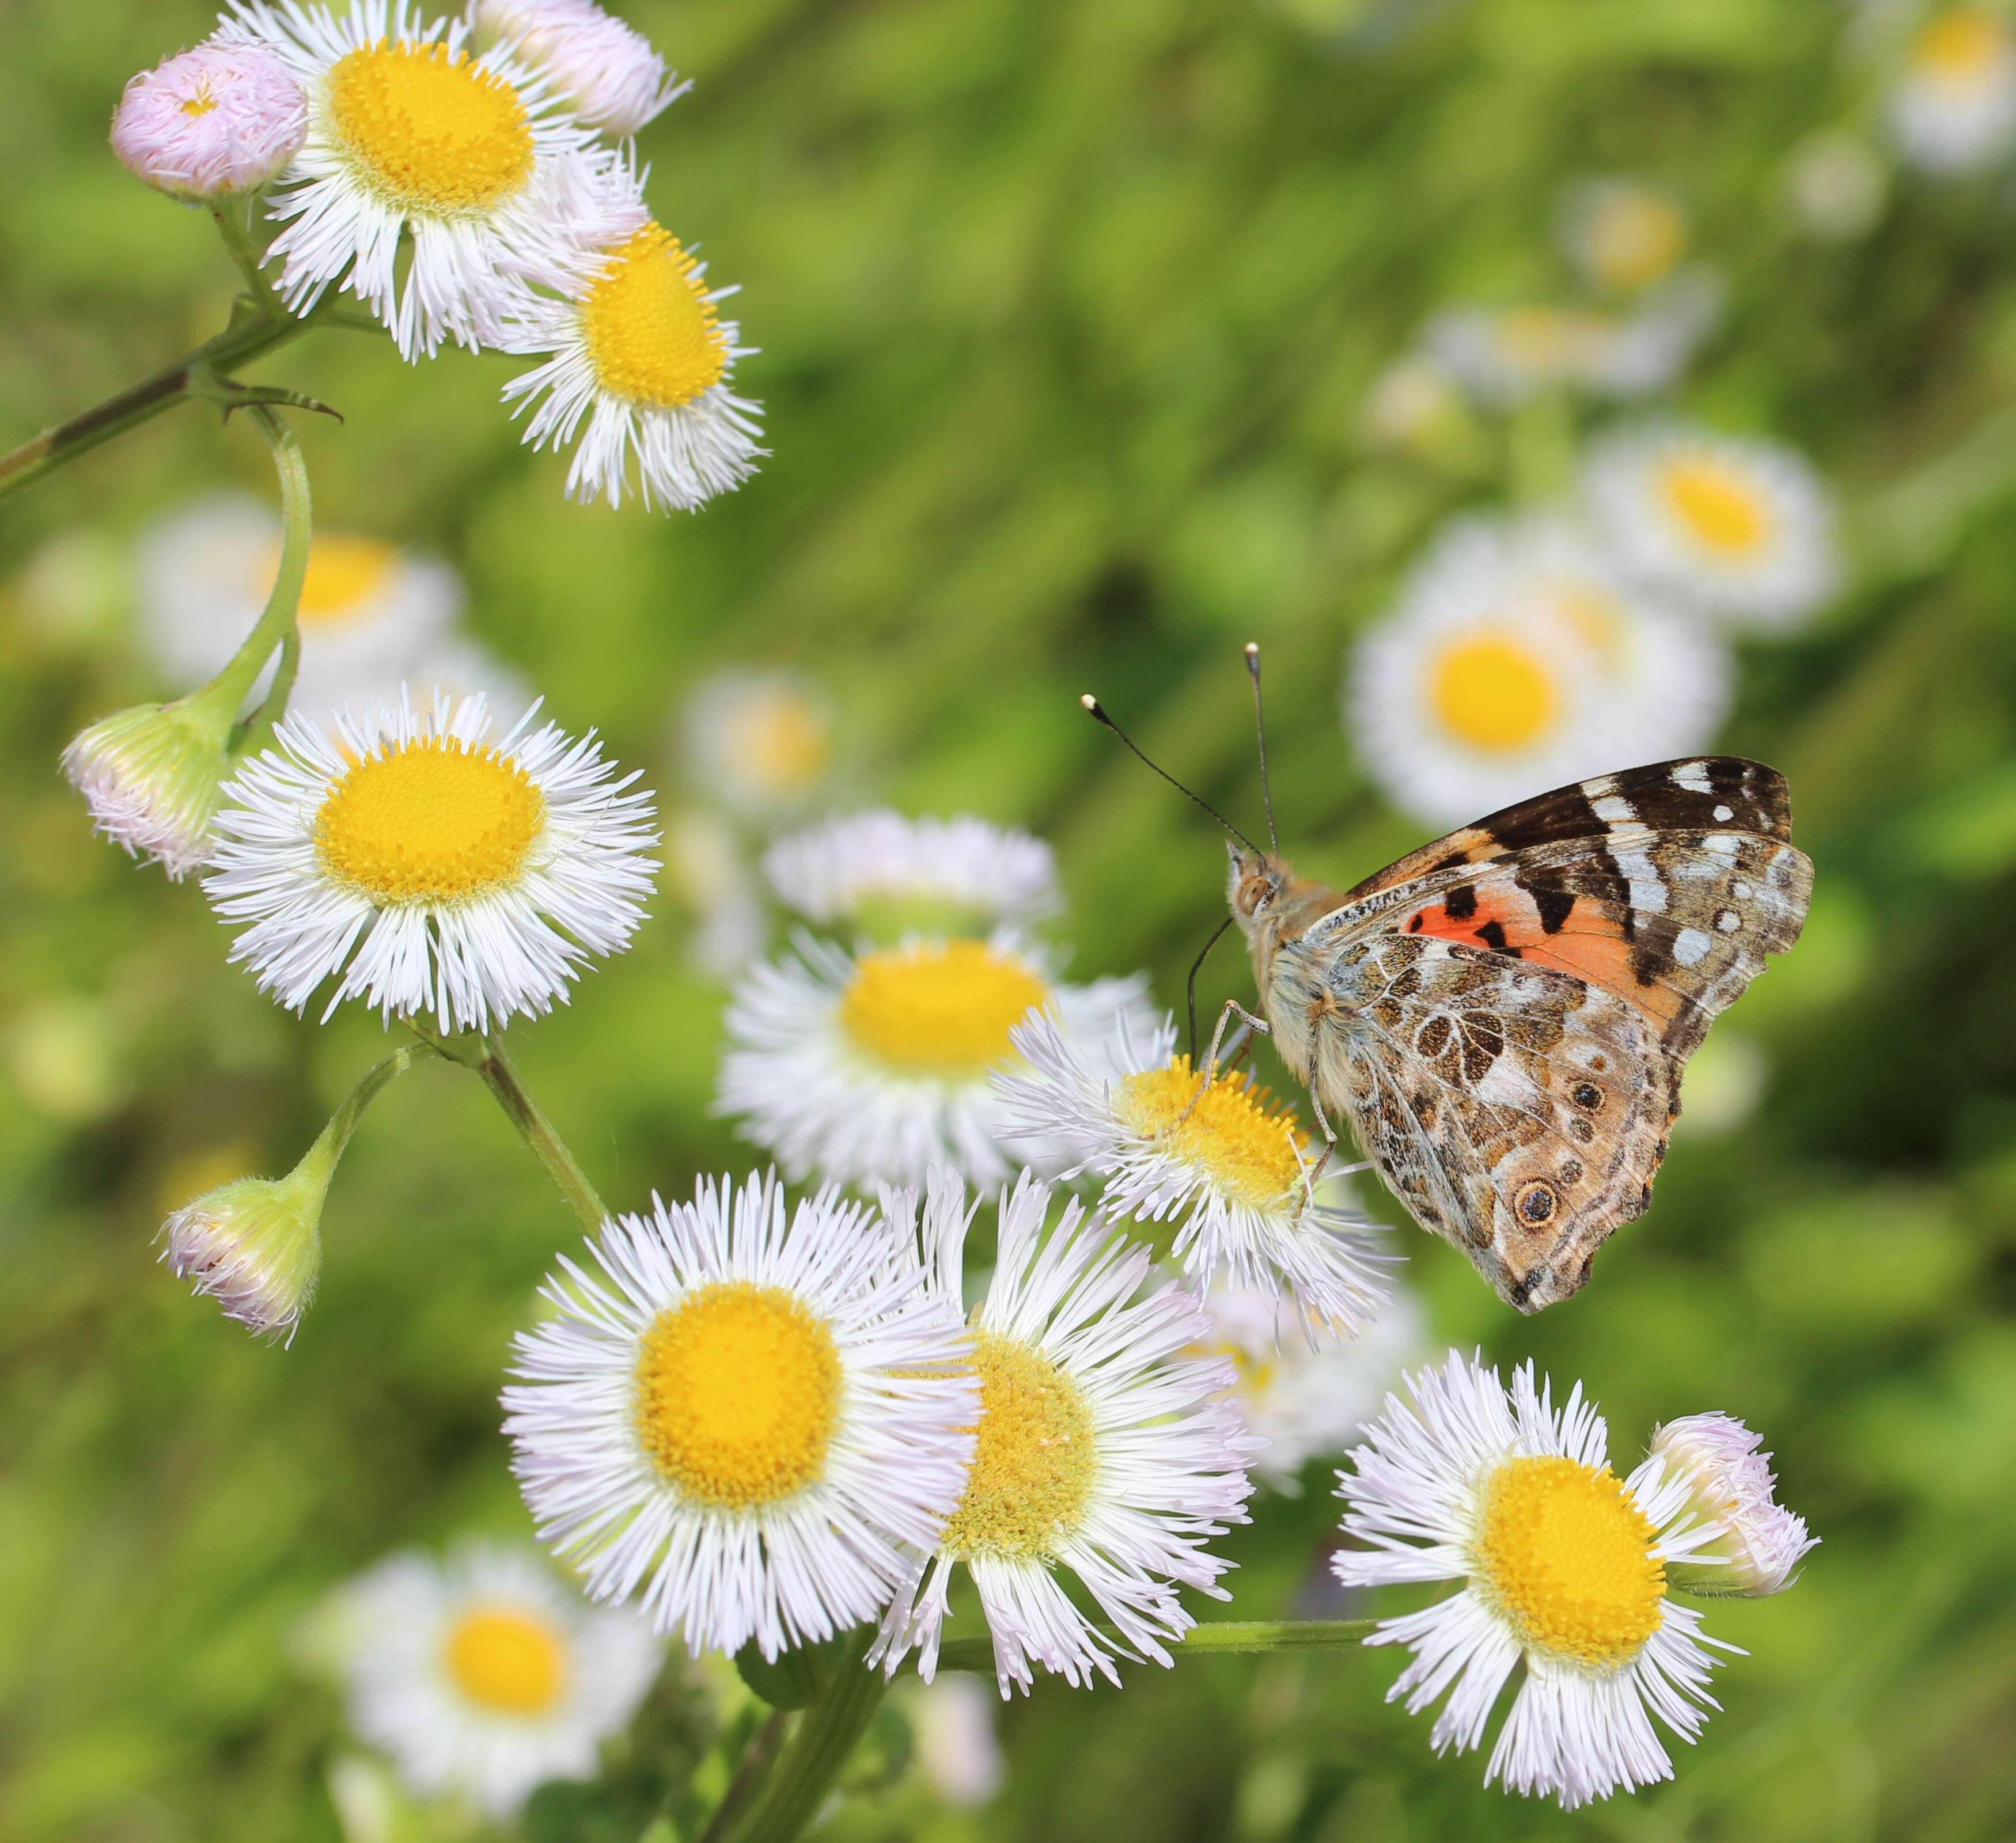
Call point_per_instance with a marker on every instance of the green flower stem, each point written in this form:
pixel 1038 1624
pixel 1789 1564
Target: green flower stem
pixel 501 1078
pixel 229 216
pixel 1220 1637
pixel 276 624
pixel 251 335
pixel 820 1746
pixel 335 1136
pixel 756 1758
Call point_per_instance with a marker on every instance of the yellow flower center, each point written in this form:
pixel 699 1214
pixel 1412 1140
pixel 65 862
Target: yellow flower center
pixel 1239 1137
pixel 201 103
pixel 433 820
pixel 1566 1555
pixel 939 1010
pixel 1491 691
pixel 738 1395
pixel 1966 42
pixel 783 743
pixel 344 573
pixel 1035 1461
pixel 429 130
pixel 1635 237
pixel 507 1661
pixel 1543 338
pixel 1720 507
pixel 651 333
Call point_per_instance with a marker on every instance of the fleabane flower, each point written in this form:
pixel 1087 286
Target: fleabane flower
pixel 411 138
pixel 1101 1452
pixel 1517 658
pixel 872 1067
pixel 1224 1163
pixel 369 609
pixel 762 743
pixel 750 1418
pixel 485 1675
pixel 151 777
pixel 1953 109
pixel 606 72
pixel 1733 525
pixel 254 1245
pixel 1564 1568
pixel 427 870
pixel 640 356
pixel 212 122
pixel 1298 1386
pixel 1622 234
pixel 1759 1541
pixel 885 873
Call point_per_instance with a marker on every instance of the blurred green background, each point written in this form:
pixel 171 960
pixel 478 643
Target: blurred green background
pixel 1067 315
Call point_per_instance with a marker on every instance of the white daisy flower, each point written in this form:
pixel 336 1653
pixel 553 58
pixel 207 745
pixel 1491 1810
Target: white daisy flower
pixel 1564 1568
pixel 1953 109
pixel 1834 186
pixel 1623 235
pixel 485 1676
pixel 761 743
pixel 879 870
pixel 640 353
pixel 606 71
pixel 753 1424
pixel 1759 1541
pixel 426 869
pixel 1503 356
pixel 367 608
pixel 708 875
pixel 1227 1165
pixel 1735 525
pixel 1518 659
pixel 412 140
pixel 872 1068
pixel 1300 1388
pixel 1101 1452
pixel 211 124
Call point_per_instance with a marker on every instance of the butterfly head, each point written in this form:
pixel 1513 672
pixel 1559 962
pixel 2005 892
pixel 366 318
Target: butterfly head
pixel 1254 883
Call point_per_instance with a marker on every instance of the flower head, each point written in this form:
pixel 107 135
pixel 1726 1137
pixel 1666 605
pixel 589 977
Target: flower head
pixel 151 777
pixel 638 350
pixel 485 1676
pixel 760 742
pixel 1564 1567
pixel 1834 186
pixel 1224 1162
pixel 1623 235
pixel 1101 1453
pixel 606 72
pixel 1760 1543
pixel 410 138
pixel 370 610
pixel 1519 658
pixel 211 123
pixel 748 1418
pixel 427 868
pixel 1736 525
pixel 254 1245
pixel 872 1067
pixel 881 871
pixel 1953 109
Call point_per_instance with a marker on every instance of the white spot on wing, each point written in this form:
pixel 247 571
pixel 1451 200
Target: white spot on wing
pixel 1648 888
pixel 1741 890
pixel 1729 921
pixel 1613 810
pixel 1722 814
pixel 1692 775
pixel 1690 946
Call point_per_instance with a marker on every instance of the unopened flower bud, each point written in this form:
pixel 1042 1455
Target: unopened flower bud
pixel 255 1246
pixel 151 776
pixel 211 123
pixel 606 71
pixel 1761 1542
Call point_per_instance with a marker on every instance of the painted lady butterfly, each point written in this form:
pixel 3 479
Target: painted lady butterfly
pixel 1502 1016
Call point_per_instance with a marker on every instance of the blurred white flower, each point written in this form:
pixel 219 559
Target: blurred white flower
pixel 760 743
pixel 1518 659
pixel 957 1751
pixel 1834 186
pixel 1953 109
pixel 1623 235
pixel 881 870
pixel 606 71
pixel 706 873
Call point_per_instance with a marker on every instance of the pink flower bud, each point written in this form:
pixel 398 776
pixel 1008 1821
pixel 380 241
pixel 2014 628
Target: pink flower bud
pixel 207 123
pixel 606 71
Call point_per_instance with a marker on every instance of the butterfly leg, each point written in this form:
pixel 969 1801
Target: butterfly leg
pixel 1232 1005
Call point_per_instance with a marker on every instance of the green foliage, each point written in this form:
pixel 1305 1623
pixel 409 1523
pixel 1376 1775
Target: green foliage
pixel 1068 314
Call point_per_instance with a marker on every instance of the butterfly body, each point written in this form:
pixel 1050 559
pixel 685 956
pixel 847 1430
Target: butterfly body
pixel 1503 1017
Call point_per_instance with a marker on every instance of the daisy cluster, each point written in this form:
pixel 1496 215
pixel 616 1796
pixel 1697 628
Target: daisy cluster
pixel 1527 649
pixel 471 178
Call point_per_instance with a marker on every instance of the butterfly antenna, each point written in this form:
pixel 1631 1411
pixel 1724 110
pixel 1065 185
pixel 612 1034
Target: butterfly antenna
pixel 1099 710
pixel 1260 729
pixel 1196 966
